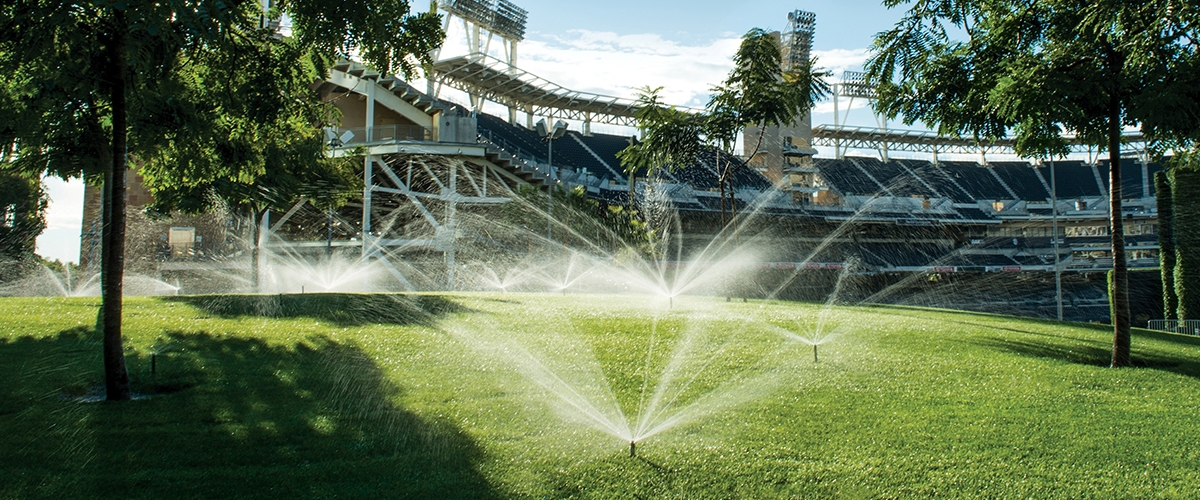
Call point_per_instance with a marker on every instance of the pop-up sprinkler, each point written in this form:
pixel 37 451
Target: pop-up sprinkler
pixel 814 353
pixel 633 449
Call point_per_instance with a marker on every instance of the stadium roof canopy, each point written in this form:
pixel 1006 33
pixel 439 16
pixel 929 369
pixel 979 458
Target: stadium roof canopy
pixel 496 81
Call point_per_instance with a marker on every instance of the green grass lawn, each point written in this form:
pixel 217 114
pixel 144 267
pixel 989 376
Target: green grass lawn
pixel 479 396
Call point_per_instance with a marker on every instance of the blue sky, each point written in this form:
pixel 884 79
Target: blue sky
pixel 846 24
pixel 613 47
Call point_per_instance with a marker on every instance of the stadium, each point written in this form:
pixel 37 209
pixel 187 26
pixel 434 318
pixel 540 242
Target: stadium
pixel 900 212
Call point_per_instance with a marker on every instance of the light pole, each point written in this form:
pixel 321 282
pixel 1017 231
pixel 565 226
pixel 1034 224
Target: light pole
pixel 550 134
pixel 1054 229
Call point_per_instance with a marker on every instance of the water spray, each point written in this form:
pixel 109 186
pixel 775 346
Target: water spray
pixel 633 449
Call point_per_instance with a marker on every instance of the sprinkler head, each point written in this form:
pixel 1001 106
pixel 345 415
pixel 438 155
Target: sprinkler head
pixel 633 449
pixel 814 353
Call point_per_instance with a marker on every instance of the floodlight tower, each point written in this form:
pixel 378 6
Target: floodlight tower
pixel 484 21
pixel 854 85
pixel 783 146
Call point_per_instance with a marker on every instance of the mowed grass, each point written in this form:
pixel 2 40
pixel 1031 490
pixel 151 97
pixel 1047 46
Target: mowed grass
pixel 478 396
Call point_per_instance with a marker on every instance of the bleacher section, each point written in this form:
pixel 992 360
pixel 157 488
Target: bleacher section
pixel 894 177
pixel 846 177
pixel 1075 179
pixel 978 182
pixel 1022 179
pixel 519 142
pixel 606 147
pixel 937 178
pixel 963 208
pixel 1131 177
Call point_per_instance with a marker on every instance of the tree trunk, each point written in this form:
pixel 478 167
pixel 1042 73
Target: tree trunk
pixel 632 191
pixel 721 186
pixel 1119 291
pixel 1185 187
pixel 116 377
pixel 1166 242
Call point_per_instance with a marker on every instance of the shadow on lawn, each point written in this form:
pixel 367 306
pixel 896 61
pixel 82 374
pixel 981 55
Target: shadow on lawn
pixel 343 309
pixel 1092 353
pixel 224 417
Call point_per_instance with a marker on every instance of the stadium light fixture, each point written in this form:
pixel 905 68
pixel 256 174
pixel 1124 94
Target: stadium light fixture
pixel 550 134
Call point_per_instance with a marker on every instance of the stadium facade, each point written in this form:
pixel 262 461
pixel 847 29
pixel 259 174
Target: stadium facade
pixel 965 222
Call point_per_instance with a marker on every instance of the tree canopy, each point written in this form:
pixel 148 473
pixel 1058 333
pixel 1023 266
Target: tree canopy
pixel 22 216
pixel 1048 73
pixel 759 92
pixel 204 91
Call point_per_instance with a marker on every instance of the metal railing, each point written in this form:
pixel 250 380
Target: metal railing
pixel 1184 326
pixel 380 134
pixel 519 156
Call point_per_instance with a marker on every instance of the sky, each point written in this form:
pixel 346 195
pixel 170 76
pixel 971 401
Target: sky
pixel 613 48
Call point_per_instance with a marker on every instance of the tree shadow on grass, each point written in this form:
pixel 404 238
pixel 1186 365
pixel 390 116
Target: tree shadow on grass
pixel 1084 352
pixel 222 417
pixel 343 309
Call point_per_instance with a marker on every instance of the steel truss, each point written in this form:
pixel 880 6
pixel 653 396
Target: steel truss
pixel 916 141
pixel 485 77
pixel 411 202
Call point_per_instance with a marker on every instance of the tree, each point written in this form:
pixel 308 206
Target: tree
pixel 80 72
pixel 253 144
pixel 1166 242
pixel 22 216
pixel 1037 70
pixel 671 138
pixel 759 92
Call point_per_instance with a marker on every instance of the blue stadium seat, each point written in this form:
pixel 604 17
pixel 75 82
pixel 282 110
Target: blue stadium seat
pixel 975 178
pixel 1074 178
pixel 1023 179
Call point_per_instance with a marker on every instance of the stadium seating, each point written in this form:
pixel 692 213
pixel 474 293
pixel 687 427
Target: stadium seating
pixel 936 178
pixel 894 177
pixel 1075 179
pixel 969 186
pixel 1022 179
pixel 976 179
pixel 1131 177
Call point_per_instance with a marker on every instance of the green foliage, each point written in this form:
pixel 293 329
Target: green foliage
pixel 1185 190
pixel 93 81
pixel 1038 70
pixel 670 139
pixel 308 401
pixel 22 215
pixel 1166 242
pixel 757 92
pixel 616 229
pixel 638 234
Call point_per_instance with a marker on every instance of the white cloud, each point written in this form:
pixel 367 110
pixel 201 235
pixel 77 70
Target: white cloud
pixel 837 61
pixel 64 217
pixel 607 63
